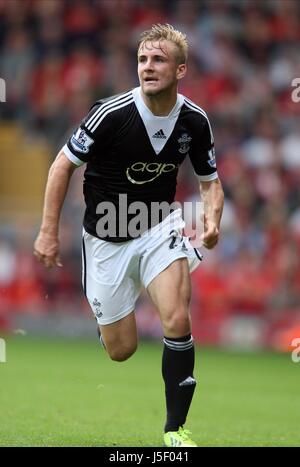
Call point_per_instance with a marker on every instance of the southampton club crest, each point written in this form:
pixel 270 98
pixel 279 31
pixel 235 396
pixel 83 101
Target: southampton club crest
pixel 184 143
pixel 97 306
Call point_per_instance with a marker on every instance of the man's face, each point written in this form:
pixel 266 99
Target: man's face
pixel 158 69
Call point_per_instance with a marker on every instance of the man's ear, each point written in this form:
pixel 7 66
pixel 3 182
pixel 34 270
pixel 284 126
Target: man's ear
pixel 181 71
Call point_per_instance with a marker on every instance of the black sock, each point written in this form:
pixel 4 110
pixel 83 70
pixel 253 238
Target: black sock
pixel 177 370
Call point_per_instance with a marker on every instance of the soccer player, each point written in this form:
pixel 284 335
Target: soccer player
pixel 132 145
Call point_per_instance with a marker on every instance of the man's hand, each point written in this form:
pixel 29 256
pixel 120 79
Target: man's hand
pixel 210 236
pixel 46 250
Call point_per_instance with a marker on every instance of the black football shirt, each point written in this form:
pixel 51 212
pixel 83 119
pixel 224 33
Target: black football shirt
pixel 129 151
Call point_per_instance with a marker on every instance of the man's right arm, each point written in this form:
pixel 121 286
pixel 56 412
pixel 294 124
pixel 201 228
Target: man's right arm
pixel 46 246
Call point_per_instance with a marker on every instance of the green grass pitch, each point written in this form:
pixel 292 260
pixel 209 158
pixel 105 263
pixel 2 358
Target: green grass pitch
pixel 69 393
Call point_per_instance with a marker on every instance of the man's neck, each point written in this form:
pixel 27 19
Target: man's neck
pixel 162 104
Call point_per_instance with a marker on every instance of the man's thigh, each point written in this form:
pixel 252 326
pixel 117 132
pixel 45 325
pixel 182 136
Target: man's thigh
pixel 171 287
pixel 120 338
pixel 165 273
pixel 109 282
pixel 170 292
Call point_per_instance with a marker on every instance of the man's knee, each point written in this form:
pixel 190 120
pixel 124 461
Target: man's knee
pixel 177 323
pixel 120 353
pixel 120 338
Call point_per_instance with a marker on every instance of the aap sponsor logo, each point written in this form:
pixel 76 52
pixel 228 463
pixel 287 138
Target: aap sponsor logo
pixel 141 172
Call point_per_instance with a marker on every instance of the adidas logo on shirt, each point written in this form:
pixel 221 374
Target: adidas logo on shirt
pixel 159 134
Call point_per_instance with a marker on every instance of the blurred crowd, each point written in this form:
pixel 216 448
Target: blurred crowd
pixel 59 56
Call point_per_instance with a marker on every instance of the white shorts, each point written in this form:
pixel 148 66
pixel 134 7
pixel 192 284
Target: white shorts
pixel 113 273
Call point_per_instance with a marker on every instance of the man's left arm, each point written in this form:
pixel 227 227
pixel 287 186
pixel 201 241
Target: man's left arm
pixel 212 195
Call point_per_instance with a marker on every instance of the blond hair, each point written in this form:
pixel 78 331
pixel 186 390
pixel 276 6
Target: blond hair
pixel 160 32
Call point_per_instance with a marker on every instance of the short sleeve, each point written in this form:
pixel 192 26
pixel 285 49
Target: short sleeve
pixel 202 154
pixel 83 145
